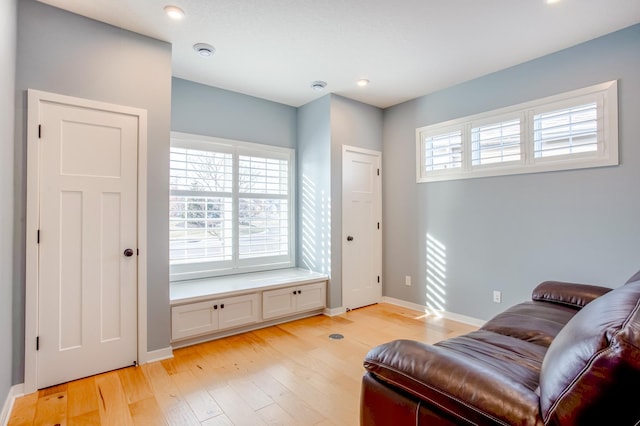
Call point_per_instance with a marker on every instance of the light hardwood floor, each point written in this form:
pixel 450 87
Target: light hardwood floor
pixel 289 374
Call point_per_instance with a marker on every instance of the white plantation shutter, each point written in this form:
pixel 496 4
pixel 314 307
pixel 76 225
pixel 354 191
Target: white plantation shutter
pixel 200 214
pixel 230 207
pixel 496 143
pixel 443 151
pixel 263 207
pixel 566 131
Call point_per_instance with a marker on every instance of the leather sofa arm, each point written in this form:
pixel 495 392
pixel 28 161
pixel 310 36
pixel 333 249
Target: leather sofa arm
pixel 470 388
pixel 568 294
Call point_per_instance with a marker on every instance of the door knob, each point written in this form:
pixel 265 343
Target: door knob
pixel 128 252
pixel 349 238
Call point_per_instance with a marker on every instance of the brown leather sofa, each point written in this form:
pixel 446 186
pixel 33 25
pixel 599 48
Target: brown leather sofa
pixel 570 356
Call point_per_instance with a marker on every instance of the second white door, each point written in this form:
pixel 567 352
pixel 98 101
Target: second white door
pixel 361 228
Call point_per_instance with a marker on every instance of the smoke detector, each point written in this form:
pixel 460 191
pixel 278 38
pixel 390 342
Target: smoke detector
pixel 318 85
pixel 204 49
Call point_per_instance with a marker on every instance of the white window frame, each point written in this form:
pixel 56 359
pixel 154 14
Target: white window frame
pixel 604 94
pixel 193 270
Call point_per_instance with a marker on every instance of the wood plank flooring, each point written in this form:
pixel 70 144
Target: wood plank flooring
pixel 289 374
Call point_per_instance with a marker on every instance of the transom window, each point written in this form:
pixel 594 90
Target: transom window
pixel 230 207
pixel 573 130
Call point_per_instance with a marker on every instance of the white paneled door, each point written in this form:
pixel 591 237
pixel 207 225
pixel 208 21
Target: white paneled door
pixel 361 228
pixel 87 249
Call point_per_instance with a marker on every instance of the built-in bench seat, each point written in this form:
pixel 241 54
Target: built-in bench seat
pixel 209 308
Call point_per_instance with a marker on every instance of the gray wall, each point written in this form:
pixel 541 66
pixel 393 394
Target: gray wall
pixel 314 190
pixel 7 90
pixel 71 55
pixel 209 111
pixel 324 126
pixel 355 124
pixel 509 233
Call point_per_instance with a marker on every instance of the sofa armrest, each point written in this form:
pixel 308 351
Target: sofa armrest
pixel 568 294
pixel 463 386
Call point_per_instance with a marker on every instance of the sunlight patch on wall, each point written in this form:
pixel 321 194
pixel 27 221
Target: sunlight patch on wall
pixel 436 268
pixel 315 228
pixel 309 229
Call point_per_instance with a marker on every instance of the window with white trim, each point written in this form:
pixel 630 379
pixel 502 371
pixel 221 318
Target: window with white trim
pixel 230 208
pixel 573 130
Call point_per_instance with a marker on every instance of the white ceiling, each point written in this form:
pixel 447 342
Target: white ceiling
pixel 274 49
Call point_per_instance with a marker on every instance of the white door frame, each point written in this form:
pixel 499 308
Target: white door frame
pixel 33 163
pixel 378 154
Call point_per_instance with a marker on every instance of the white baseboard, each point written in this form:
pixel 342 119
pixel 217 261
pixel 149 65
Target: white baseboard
pixel 158 355
pixel 444 314
pixel 332 312
pixel 14 392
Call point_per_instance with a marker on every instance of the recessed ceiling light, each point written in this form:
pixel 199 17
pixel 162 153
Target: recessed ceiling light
pixel 204 49
pixel 553 1
pixel 174 12
pixel 318 85
pixel 363 82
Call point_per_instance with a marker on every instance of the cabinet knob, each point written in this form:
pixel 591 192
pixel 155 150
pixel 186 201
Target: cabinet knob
pixel 215 306
pixel 222 306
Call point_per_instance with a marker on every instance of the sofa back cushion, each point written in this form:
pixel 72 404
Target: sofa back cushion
pixel 634 279
pixel 591 367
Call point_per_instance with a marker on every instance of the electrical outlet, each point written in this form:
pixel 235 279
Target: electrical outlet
pixel 497 296
pixel 407 280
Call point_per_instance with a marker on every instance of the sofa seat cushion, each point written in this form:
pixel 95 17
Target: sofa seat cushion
pixel 595 358
pixel 479 376
pixel 535 322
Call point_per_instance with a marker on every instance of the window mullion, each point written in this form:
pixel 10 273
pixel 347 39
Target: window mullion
pixel 528 139
pixel 600 135
pixel 236 206
pixel 467 146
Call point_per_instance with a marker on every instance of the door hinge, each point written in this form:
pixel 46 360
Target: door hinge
pixel 37 343
pixel 39 131
pixel 38 237
pixel 378 278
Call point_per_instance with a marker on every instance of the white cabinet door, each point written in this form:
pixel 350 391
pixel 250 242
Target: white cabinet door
pixel 290 300
pixel 193 319
pixel 198 318
pixel 277 303
pixel 237 311
pixel 311 296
